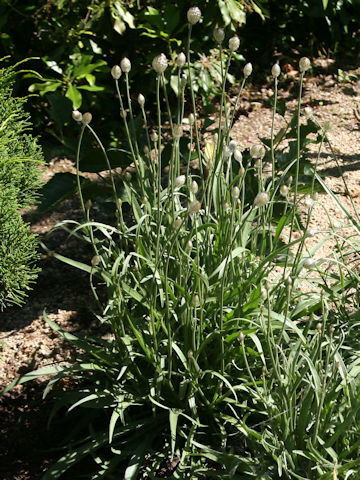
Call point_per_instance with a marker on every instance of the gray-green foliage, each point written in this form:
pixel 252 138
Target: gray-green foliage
pixel 20 156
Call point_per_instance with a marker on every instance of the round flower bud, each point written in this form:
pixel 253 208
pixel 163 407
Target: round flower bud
pixel 312 232
pixel 95 260
pixel 116 72
pixel 241 337
pixel 247 70
pixel 196 300
pixel 315 196
pixel 194 187
pixel 177 131
pixel 308 112
pixel 125 65
pixel 309 202
pixel 238 155
pixel 233 145
pixel 141 100
pixel 179 181
pixel 235 193
pixel 257 151
pixel 309 262
pixel 180 60
pixel 76 115
pixel 189 245
pixel 194 207
pixel 284 190
pixel 177 224
pixel 191 119
pixel 193 15
pixel 219 35
pixel 154 137
pixel 226 152
pixel 241 171
pixel 257 163
pixel 160 63
pixel 304 64
pixel 86 118
pixel 275 71
pixel 288 280
pixel 261 199
pixel 319 326
pixel 234 43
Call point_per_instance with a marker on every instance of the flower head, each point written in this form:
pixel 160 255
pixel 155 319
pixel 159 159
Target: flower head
pixel 275 71
pixel 141 100
pixel 180 60
pixel 76 115
pixel 234 43
pixel 304 64
pixel 116 72
pixel 261 199
pixel 125 65
pixel 193 15
pixel 247 70
pixel 219 35
pixel 160 63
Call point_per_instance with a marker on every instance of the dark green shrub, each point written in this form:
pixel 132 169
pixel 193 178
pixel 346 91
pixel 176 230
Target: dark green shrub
pixel 20 156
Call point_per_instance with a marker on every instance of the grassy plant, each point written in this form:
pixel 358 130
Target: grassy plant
pixel 218 364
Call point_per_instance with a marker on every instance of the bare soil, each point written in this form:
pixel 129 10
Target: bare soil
pixel 64 291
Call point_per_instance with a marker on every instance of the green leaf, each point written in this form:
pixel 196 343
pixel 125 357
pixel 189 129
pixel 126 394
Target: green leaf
pixel 59 187
pixel 325 4
pixel 173 419
pixel 73 94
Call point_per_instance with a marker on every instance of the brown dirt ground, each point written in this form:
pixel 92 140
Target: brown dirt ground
pixel 64 292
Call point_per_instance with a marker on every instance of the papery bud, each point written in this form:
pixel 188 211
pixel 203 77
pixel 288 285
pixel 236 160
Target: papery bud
pixel 308 111
pixel 88 204
pixel 241 171
pixel 258 163
pixel 219 35
pixel 179 181
pixel 235 193
pixel 319 326
pixel 312 232
pixel 177 131
pixel 257 151
pixel 234 43
pixel 141 100
pixel 76 115
pixel 241 337
pixel 288 280
pixel 86 118
pixel 304 64
pixel 116 72
pixel 284 190
pixel 196 300
pixel 154 137
pixel 261 199
pixel 189 245
pixel 194 207
pixel 180 60
pixel 95 260
pixel 160 63
pixel 309 262
pixel 238 155
pixel 194 187
pixel 226 152
pixel 177 224
pixel 315 196
pixel 275 71
pixel 191 119
pixel 233 145
pixel 309 202
pixel 125 65
pixel 193 15
pixel 247 70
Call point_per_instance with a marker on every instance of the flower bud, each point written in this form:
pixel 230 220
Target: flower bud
pixel 219 35
pixel 309 202
pixel 284 190
pixel 234 43
pixel 288 280
pixel 180 60
pixel 257 151
pixel 141 100
pixel 193 15
pixel 86 118
pixel 189 245
pixel 233 145
pixel 194 187
pixel 309 262
pixel 226 152
pixel 235 193
pixel 191 119
pixel 125 65
pixel 238 155
pixel 116 72
pixel 179 181
pixel 304 64
pixel 160 63
pixel 88 204
pixel 177 131
pixel 319 326
pixel 247 70
pixel 261 199
pixel 177 224
pixel 154 137
pixel 95 260
pixel 275 71
pixel 241 337
pixel 308 112
pixel 194 207
pixel 196 300
pixel 76 115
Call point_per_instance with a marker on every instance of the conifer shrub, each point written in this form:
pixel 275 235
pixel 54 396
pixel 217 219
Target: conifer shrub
pixel 20 157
